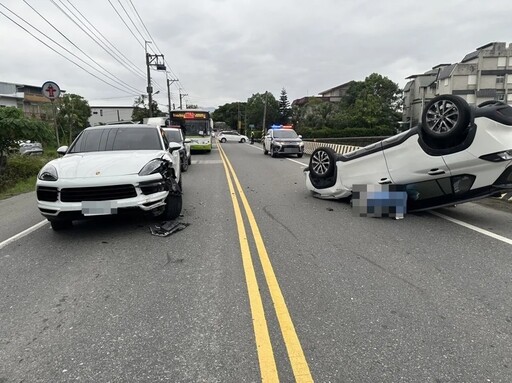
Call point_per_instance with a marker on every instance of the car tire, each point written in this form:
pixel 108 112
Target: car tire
pixel 273 152
pixel 322 162
pixel 222 140
pixel 445 116
pixel 265 151
pixel 242 140
pixel 173 205
pixel 60 224
pixel 184 166
pixel 299 155
pixel 189 161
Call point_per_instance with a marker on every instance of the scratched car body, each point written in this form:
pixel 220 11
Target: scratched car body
pixel 111 169
pixel 457 154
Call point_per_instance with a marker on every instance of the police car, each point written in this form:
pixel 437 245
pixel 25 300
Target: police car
pixel 283 140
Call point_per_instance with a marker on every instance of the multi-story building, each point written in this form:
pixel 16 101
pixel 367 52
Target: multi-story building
pixel 26 97
pixel 101 115
pixel 482 75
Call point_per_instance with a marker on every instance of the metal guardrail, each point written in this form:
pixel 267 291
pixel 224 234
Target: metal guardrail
pixel 310 146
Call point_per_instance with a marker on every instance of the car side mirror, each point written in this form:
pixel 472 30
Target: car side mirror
pixel 300 136
pixel 62 150
pixel 174 146
pixel 187 141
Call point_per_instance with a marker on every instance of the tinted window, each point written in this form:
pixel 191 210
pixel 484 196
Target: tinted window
pixel 117 139
pixel 285 134
pixel 173 135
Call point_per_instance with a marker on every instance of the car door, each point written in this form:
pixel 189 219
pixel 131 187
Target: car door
pixel 408 163
pixel 364 166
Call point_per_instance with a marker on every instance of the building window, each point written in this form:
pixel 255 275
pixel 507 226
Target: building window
pixel 472 79
pixel 502 62
pixel 445 82
pixel 500 79
pixel 101 112
pixel 500 97
pixel 94 112
pixel 509 79
pixel 509 97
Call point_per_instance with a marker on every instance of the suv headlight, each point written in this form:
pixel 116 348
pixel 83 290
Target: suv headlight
pixel 152 167
pixel 48 173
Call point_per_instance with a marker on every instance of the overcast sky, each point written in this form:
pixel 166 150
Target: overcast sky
pixel 226 50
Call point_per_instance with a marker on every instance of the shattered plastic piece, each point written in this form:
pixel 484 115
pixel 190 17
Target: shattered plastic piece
pixel 167 228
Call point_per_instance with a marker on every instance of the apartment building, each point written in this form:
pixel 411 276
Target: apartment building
pixel 482 75
pixel 29 98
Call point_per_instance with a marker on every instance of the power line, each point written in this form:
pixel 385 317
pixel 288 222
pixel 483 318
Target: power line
pixel 92 38
pixel 107 40
pixel 152 39
pixel 112 77
pixel 60 54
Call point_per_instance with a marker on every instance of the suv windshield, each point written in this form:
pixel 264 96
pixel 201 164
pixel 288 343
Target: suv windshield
pixel 285 134
pixel 107 139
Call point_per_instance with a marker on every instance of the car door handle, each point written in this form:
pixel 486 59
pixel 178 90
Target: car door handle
pixel 436 172
pixel 384 181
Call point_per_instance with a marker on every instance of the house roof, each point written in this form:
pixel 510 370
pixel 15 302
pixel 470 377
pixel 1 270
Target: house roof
pixel 470 56
pixel 346 85
pixel 446 71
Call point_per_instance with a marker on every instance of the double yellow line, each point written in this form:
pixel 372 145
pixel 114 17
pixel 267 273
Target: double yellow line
pixel 266 358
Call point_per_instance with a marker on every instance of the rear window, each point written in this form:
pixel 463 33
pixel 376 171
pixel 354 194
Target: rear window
pixel 173 135
pixel 97 140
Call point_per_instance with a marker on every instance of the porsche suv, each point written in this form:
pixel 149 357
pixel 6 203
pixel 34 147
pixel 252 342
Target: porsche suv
pixel 457 154
pixel 109 169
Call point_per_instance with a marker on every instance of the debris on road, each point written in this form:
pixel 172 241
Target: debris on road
pixel 167 228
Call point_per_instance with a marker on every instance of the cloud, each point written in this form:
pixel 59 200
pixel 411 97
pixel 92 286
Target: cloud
pixel 225 50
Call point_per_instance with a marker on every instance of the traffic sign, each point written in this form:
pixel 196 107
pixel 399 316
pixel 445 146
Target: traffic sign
pixel 50 90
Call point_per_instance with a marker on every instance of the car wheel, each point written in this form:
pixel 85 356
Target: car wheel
pixel 445 116
pixel 299 155
pixel 273 152
pixel 189 161
pixel 184 166
pixel 242 140
pixel 265 151
pixel 172 207
pixel 61 224
pixel 222 140
pixel 322 162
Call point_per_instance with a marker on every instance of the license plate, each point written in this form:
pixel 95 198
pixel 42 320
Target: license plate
pixel 291 150
pixel 99 208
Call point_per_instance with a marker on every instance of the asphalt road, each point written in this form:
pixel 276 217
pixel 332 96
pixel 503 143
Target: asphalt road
pixel 283 287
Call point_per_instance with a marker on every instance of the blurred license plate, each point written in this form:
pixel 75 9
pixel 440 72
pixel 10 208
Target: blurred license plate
pixel 99 207
pixel 291 150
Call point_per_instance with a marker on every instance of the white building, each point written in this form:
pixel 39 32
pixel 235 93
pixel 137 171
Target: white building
pixel 101 115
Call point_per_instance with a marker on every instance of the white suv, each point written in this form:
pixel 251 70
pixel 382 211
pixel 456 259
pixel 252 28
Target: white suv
pixel 279 141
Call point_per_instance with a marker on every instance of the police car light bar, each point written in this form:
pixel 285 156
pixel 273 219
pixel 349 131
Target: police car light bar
pixel 281 127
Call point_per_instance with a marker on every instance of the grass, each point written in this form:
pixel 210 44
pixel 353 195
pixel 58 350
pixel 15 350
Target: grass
pixel 24 186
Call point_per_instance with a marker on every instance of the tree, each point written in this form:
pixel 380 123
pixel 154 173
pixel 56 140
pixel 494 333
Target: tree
pixel 14 126
pixel 285 112
pixel 229 113
pixel 141 111
pixel 256 107
pixel 72 116
pixel 375 102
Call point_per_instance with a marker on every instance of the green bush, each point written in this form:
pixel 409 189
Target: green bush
pixel 20 168
pixel 346 132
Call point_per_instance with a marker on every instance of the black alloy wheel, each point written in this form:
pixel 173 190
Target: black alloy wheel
pixel 445 116
pixel 322 162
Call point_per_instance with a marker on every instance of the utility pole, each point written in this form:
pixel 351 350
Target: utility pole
pixel 152 60
pixel 265 114
pixel 169 82
pixel 181 98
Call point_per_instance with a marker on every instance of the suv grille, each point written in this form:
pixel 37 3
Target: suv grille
pixel 98 193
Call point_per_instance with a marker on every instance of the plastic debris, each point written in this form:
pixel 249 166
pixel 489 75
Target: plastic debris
pixel 167 228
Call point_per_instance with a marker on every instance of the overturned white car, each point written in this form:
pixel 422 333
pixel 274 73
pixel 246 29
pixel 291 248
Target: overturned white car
pixel 457 154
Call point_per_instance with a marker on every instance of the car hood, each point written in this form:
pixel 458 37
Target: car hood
pixel 104 164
